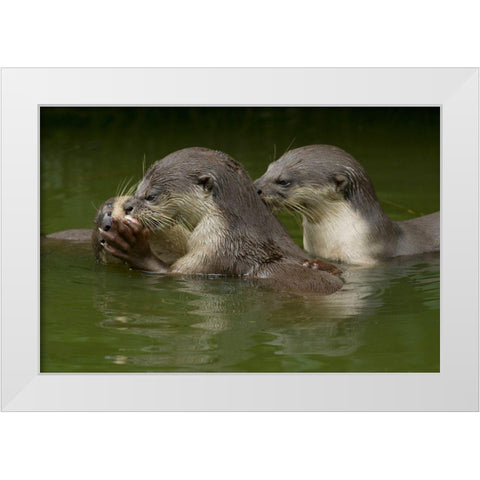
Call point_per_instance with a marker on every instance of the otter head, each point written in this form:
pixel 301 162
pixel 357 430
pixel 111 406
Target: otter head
pixel 182 188
pixel 313 180
pixel 113 207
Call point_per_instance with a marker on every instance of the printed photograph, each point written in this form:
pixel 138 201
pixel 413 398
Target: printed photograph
pixel 239 239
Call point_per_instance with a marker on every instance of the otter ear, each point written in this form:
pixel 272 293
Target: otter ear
pixel 341 182
pixel 207 182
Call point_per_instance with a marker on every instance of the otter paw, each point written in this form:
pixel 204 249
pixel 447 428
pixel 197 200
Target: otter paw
pixel 319 264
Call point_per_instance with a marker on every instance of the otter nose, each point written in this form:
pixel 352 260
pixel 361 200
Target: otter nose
pixel 259 191
pixel 107 221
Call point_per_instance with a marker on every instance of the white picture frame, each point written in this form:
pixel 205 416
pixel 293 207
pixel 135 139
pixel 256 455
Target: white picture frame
pixel 455 388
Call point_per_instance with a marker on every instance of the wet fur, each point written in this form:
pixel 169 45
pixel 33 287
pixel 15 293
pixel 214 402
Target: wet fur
pixel 168 244
pixel 342 217
pixel 232 230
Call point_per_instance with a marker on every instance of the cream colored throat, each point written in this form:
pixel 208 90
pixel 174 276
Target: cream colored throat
pixel 204 245
pixel 340 234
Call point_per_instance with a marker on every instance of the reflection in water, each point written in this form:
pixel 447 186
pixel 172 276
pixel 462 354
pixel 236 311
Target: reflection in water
pixel 225 324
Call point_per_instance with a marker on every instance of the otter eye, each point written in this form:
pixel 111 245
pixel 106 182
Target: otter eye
pixel 151 197
pixel 283 183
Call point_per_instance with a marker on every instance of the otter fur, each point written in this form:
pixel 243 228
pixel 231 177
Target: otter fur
pixel 168 244
pixel 232 232
pixel 342 217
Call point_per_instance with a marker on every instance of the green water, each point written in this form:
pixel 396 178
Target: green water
pixel 98 318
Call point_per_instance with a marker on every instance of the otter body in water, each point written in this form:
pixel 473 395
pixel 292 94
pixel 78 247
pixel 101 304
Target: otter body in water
pixel 342 217
pixel 78 235
pixel 232 232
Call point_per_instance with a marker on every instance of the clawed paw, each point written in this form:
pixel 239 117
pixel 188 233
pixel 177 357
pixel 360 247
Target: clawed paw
pixel 319 264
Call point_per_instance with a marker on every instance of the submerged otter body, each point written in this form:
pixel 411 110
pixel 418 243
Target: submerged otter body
pixel 342 217
pixel 232 232
pixel 77 235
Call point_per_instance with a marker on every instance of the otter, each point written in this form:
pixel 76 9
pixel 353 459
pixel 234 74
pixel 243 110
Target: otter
pixel 232 232
pixel 168 245
pixel 103 221
pixel 342 217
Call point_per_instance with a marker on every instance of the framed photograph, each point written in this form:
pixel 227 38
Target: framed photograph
pixel 83 331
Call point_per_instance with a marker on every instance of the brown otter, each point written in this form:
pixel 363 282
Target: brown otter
pixel 342 217
pixel 102 220
pixel 232 230
pixel 168 244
